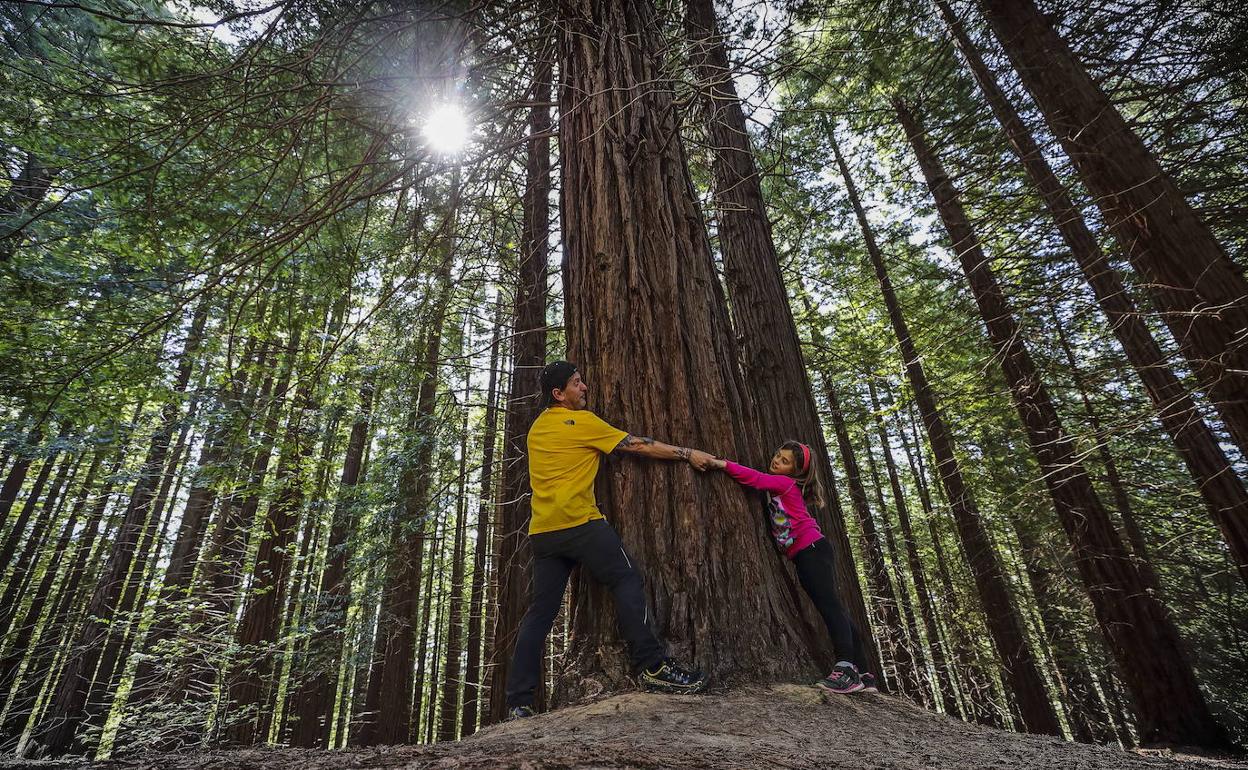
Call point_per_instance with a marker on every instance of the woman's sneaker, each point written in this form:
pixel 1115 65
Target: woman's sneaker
pixel 843 679
pixel 868 682
pixel 670 676
pixel 520 712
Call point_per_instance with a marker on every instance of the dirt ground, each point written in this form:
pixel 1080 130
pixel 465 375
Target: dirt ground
pixel 785 726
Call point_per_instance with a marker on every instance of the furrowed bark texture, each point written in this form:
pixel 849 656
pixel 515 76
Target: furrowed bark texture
pixel 775 372
pixel 647 323
pixel 528 356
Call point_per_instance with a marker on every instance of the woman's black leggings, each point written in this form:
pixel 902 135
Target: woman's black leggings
pixel 816 569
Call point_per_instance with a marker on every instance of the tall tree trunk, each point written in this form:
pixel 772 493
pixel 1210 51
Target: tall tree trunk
pixel 1201 293
pixel 255 669
pixel 314 695
pixel 1221 488
pixel 23 631
pixel 449 711
pixel 647 322
pixel 67 710
pixel 20 525
pixel 528 355
pixel 908 635
pixel 778 384
pixel 25 563
pixel 476 601
pixel 1004 622
pixel 16 477
pixel 390 716
pixel 1140 632
pixel 877 573
pixel 944 685
pixel 59 621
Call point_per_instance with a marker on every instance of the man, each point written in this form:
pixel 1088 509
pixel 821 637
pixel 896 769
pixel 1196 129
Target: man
pixel 566 444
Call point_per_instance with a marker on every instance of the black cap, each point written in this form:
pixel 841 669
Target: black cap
pixel 556 375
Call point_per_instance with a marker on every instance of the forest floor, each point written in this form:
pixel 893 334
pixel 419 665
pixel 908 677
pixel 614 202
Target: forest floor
pixel 785 726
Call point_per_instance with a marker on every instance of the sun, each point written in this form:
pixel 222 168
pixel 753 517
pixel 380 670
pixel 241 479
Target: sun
pixel 446 129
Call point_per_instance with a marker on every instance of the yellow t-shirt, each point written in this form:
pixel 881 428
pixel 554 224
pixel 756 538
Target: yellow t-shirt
pixel 565 447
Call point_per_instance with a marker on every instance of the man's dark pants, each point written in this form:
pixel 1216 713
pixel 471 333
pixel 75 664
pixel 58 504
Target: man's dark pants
pixel 595 546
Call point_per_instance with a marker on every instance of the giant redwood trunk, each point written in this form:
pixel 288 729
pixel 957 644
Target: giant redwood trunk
pixel 1018 661
pixel 1221 488
pixel 647 323
pixel 528 355
pixel 778 384
pixel 1201 293
pixel 1142 636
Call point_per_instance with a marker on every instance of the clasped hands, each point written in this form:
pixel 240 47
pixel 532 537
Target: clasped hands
pixel 703 460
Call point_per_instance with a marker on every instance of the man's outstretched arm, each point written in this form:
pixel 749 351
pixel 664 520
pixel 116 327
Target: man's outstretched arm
pixel 648 447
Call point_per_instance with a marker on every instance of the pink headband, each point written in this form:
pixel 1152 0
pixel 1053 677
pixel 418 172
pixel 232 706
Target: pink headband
pixel 805 456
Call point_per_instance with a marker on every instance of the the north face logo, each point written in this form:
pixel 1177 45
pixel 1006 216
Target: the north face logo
pixel 569 422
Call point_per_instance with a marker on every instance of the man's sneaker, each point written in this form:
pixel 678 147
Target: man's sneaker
pixel 520 712
pixel 670 676
pixel 868 682
pixel 843 679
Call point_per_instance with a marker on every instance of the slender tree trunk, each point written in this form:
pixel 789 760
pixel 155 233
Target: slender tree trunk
pixel 771 356
pixel 907 635
pixel 927 611
pixel 1221 488
pixel 315 694
pixel 255 668
pixel 476 602
pixel 877 572
pixel 1004 622
pixel 59 621
pixel 16 478
pixel 449 711
pixel 20 525
pixel 635 241
pixel 1140 632
pixel 1201 292
pixel 24 629
pixel 25 563
pixel 513 559
pixel 390 718
pixel 67 711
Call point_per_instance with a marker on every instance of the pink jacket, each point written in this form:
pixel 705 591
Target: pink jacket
pixel 791 524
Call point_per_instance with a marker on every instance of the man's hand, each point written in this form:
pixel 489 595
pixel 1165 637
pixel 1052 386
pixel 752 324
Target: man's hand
pixel 702 460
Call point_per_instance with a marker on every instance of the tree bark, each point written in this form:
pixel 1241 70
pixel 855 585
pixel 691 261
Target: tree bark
pixel 528 355
pixel 1140 632
pixel 885 599
pixel 315 694
pixel 448 713
pixel 1004 623
pixel 1221 488
pixel 1201 293
pixel 389 718
pixel 476 602
pixel 255 670
pixel 25 193
pixel 60 724
pixel 927 611
pixel 647 323
pixel 770 350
